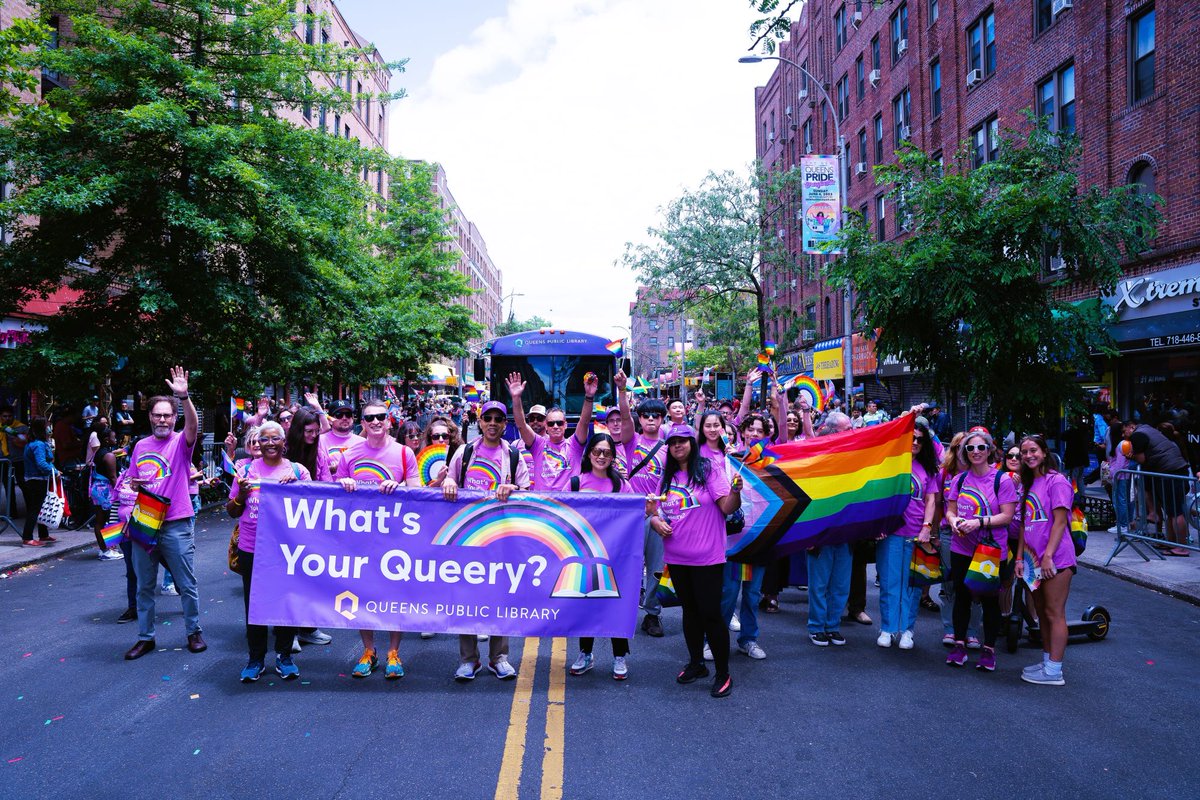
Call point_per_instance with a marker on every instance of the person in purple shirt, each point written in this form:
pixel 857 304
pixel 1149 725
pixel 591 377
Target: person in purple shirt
pixel 162 464
pixel 552 459
pixel 645 454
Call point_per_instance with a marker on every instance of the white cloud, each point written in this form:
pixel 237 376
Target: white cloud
pixel 564 125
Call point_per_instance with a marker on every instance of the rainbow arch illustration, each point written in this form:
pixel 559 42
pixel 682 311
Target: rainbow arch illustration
pixel 972 503
pixel 367 470
pixel 683 495
pixel 1033 509
pixel 555 461
pixel 156 462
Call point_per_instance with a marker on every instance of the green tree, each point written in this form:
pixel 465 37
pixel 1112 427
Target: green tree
pixel 511 325
pixel 192 223
pixel 966 297
pixel 712 248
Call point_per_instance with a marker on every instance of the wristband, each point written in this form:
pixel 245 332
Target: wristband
pixel 183 396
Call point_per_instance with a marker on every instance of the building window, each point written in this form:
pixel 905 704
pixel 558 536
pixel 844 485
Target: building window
pixel 808 136
pixel 879 138
pixel 985 142
pixel 1043 15
pixel 981 44
pixel 1056 100
pixel 839 28
pixel 843 98
pixel 935 87
pixel 862 145
pixel 671 342
pixel 860 77
pixel 1141 55
pixel 865 210
pixel 337 124
pixel 875 53
pixel 309 27
pixel 899 31
pixel 654 341
pixel 670 324
pixel 901 108
pixel 367 116
pixel 933 11
pixel 880 210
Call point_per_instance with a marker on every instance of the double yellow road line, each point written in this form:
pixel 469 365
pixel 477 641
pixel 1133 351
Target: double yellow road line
pixel 508 785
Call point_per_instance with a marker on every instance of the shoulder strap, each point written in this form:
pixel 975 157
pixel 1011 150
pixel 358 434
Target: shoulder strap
pixel 961 479
pixel 295 470
pixel 468 451
pixel 513 455
pixel 996 487
pixel 649 456
pixel 574 483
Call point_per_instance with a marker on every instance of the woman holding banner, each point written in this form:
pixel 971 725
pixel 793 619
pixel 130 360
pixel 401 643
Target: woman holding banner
pixel 689 514
pixel 243 506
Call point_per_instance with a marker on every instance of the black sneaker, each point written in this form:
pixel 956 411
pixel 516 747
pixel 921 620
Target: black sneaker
pixel 819 639
pixel 722 686
pixel 692 673
pixel 652 626
pixel 129 615
pixel 835 637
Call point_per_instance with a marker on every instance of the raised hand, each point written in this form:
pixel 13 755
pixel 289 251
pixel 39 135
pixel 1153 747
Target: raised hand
pixel 591 384
pixel 178 383
pixel 753 375
pixel 621 380
pixel 516 386
pixel 312 399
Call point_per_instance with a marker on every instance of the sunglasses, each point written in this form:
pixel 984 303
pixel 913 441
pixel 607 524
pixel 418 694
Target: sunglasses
pixel 602 452
pixel 556 423
pixel 917 438
pixel 650 415
pixel 374 417
pixel 344 413
pixel 439 437
pixel 493 420
pixel 1012 455
pixel 285 417
pixel 976 448
pixel 536 418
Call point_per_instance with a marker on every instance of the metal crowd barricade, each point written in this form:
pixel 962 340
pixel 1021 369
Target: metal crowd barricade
pixel 1153 498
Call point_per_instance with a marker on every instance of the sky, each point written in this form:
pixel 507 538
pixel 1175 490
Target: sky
pixel 564 125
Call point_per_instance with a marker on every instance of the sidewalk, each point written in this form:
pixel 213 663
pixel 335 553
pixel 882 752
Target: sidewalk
pixel 14 555
pixel 1178 577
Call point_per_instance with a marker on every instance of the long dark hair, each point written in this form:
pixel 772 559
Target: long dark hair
pixel 704 418
pixel 296 449
pixel 1050 464
pixel 697 467
pixel 611 469
pixel 926 456
pixel 37 429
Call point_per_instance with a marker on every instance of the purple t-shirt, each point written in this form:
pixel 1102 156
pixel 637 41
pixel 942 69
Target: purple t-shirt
pixel 977 499
pixel 921 484
pixel 697 525
pixel 124 496
pixel 588 482
pixel 552 467
pixel 374 465
pixel 648 478
pixel 334 444
pixel 1051 491
pixel 575 453
pixel 258 473
pixel 1014 527
pixel 488 468
pixel 164 467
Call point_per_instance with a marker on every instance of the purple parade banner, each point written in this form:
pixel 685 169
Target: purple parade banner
pixel 555 564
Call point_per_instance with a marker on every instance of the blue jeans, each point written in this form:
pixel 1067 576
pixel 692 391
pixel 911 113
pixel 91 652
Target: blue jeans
pixel 898 602
pixel 751 592
pixel 1120 499
pixel 652 554
pixel 947 594
pixel 828 586
pixel 176 550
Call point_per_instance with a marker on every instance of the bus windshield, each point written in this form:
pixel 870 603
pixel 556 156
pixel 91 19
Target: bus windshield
pixel 553 364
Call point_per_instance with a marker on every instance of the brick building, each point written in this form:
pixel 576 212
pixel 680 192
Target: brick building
pixel 947 74
pixel 657 336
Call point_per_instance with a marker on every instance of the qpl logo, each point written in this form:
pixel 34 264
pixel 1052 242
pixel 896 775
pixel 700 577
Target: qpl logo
pixel 346 604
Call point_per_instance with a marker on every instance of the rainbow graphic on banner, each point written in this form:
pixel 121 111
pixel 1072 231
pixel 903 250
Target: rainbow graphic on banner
pixel 555 526
pixel 154 462
pixel 111 534
pixel 486 472
pixel 430 461
pixel 809 387
pixel 616 347
pixel 827 490
pixel 972 504
pixel 371 471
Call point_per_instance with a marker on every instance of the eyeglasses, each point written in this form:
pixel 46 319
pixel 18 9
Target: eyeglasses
pixel 270 440
pixel 285 417
pixel 602 452
pixel 374 417
pixel 556 423
pixel 1012 455
pixel 650 415
pixel 439 437
pixel 343 413
pixel 535 418
pixel 161 416
pixel 976 448
pixel 493 420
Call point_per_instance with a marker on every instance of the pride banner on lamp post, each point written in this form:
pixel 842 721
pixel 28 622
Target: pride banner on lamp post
pixel 557 564
pixel 821 202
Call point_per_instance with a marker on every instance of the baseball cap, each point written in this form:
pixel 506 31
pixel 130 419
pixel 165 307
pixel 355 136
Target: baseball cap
pixel 681 431
pixel 494 405
pixel 341 405
pixel 538 409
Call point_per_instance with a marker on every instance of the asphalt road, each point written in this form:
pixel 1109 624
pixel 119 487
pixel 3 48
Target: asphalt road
pixel 78 721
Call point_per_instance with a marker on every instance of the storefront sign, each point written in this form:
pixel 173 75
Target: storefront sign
pixel 828 364
pixel 863 355
pixel 1158 293
pixel 821 196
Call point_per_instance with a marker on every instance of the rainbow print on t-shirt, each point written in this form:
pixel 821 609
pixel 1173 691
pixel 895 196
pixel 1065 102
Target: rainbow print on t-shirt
pixel 972 504
pixel 553 463
pixel 372 471
pixel 652 466
pixel 483 472
pixel 916 490
pixel 155 462
pixel 683 495
pixel 1033 509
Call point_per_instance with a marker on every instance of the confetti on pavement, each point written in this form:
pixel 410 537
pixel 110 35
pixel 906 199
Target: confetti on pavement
pixel 196 752
pixel 15 760
pixel 166 677
pixel 195 697
pixel 1149 663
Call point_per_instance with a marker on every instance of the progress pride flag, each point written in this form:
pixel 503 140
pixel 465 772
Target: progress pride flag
pixel 558 564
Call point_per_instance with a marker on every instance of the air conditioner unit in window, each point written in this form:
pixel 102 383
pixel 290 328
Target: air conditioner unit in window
pixel 974 77
pixel 902 47
pixel 771 136
pixel 1057 264
pixel 788 111
pixel 905 132
pixel 809 335
pixel 1060 6
pixel 857 19
pixel 802 94
pixel 807 149
pixel 793 283
pixel 873 77
pixel 860 168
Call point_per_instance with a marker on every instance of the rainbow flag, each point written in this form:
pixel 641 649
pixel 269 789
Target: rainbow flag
pixel 472 394
pixel 769 347
pixel 825 491
pixel 616 347
pixel 149 515
pixel 227 464
pixel 760 455
pixel 237 410
pixel 111 533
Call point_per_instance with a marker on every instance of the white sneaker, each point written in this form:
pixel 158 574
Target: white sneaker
pixel 426 635
pixel 906 640
pixel 296 646
pixel 753 650
pixel 885 639
pixel 582 664
pixel 467 671
pixel 1032 668
pixel 1114 529
pixel 1040 677
pixel 620 669
pixel 735 624
pixel 502 669
pixel 170 590
pixel 708 653
pixel 482 637
pixel 112 554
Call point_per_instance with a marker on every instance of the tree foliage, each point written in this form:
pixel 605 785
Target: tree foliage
pixel 966 296
pixel 512 325
pixel 193 224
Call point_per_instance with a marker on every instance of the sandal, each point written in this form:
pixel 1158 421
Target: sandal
pixel 928 604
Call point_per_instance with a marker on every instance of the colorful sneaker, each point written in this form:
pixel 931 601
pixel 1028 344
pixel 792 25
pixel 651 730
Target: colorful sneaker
pixel 582 664
pixel 467 671
pixel 366 665
pixel 1041 678
pixel 112 554
pixel 253 671
pixel 620 668
pixel 395 667
pixel 958 656
pixel 692 673
pixel 722 686
pixel 836 638
pixel 973 643
pixel 502 669
pixel 820 639
pixel 987 660
pixel 286 668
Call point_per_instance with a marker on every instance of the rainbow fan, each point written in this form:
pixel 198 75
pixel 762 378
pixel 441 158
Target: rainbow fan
pixel 809 387
pixel 430 461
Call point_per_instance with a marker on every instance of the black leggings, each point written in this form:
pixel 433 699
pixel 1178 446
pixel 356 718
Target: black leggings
pixel 620 646
pixel 959 564
pixel 256 635
pixel 35 494
pixel 699 592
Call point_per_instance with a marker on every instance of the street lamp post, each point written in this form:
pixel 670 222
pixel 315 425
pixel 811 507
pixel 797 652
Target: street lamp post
pixel 847 326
